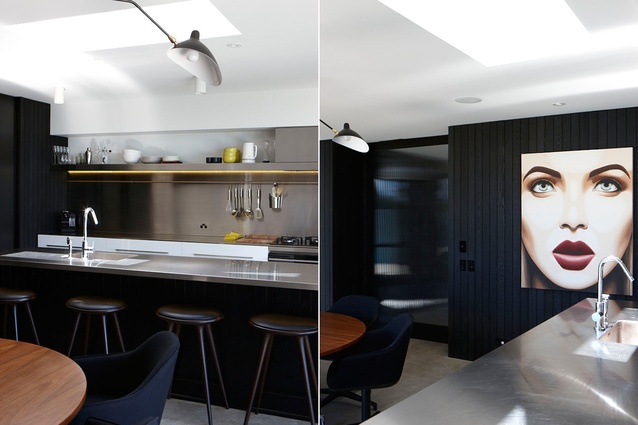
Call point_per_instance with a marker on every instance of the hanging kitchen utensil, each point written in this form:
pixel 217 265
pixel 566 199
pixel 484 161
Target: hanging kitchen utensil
pixel 229 206
pixel 240 211
pixel 249 210
pixel 235 203
pixel 259 215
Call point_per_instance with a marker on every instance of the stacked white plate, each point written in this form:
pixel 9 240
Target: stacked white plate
pixel 170 159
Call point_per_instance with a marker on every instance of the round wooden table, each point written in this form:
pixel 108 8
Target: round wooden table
pixel 338 331
pixel 38 385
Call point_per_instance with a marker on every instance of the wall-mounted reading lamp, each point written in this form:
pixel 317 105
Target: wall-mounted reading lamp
pixel 348 138
pixel 192 54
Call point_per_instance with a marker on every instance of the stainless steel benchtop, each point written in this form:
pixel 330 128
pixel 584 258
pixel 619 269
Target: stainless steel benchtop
pixel 556 373
pixel 238 272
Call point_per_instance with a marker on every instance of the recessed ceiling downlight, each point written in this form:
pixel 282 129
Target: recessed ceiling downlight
pixel 468 99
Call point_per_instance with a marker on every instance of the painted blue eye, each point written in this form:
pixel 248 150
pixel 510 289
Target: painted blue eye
pixel 607 186
pixel 543 186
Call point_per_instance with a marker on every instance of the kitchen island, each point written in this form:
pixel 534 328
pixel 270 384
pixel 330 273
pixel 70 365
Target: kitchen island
pixel 556 373
pixel 145 282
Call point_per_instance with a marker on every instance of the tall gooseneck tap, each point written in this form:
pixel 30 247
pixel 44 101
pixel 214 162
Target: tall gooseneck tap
pixel 601 316
pixel 86 249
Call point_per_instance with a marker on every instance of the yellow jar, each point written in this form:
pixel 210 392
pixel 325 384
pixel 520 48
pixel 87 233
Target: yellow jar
pixel 232 155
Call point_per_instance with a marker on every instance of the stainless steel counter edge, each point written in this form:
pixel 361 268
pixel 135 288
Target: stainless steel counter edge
pixel 237 272
pixel 556 373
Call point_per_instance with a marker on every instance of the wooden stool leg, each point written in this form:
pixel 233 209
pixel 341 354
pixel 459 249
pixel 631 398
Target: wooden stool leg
pixel 265 349
pixel 301 344
pixel 75 329
pixel 219 370
pixel 200 335
pixel 35 332
pixel 119 333
pixel 88 332
pixel 15 320
pixel 106 338
pixel 4 321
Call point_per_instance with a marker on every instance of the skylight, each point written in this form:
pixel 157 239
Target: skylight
pixel 129 27
pixel 498 32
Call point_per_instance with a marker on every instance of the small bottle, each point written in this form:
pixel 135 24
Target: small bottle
pixel 87 155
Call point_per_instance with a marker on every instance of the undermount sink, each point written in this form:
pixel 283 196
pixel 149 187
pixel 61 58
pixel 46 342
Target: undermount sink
pixel 103 256
pixel 94 258
pixel 623 332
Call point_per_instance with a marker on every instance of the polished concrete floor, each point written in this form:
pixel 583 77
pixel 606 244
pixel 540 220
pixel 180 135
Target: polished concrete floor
pixel 426 363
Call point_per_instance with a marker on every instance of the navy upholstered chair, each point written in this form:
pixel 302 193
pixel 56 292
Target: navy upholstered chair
pixel 130 387
pixel 374 362
pixel 363 307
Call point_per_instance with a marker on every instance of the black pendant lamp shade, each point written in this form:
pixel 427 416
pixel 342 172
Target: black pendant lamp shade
pixel 348 138
pixel 192 54
pixel 196 58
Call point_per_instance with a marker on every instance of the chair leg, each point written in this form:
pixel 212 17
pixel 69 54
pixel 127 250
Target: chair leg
pixel 307 366
pixel 333 395
pixel 119 332
pixel 75 329
pixel 265 349
pixel 200 335
pixel 35 332
pixel 365 404
pixel 216 359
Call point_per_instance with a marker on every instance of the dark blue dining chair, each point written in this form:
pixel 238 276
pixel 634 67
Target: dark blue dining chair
pixel 374 362
pixel 129 388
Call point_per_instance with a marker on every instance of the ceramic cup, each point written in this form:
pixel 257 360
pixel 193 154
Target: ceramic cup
pixel 249 152
pixel 231 155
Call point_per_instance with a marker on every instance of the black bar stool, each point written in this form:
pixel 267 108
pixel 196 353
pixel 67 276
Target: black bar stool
pixel 11 298
pixel 95 306
pixel 202 318
pixel 283 325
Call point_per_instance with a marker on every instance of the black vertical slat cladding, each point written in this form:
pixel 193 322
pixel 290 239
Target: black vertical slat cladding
pixel 485 211
pixel 39 186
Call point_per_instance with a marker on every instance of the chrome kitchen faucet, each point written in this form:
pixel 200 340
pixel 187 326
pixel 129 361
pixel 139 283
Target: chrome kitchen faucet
pixel 86 249
pixel 601 316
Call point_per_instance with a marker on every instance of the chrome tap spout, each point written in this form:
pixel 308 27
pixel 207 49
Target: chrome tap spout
pixel 601 316
pixel 86 249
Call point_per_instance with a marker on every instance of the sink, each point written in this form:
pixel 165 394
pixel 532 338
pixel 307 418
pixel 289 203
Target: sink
pixel 623 332
pixel 94 259
pixel 103 256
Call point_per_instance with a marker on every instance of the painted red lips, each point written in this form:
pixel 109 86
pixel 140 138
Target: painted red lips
pixel 573 255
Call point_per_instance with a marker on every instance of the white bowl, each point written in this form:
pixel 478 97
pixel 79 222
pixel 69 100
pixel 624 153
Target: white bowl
pixel 151 159
pixel 131 156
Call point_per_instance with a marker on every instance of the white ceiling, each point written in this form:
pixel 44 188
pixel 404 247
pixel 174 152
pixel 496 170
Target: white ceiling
pixel 391 79
pixel 279 39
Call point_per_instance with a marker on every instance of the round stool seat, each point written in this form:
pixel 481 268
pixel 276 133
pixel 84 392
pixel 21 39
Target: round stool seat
pixel 189 315
pixel 92 304
pixel 9 295
pixel 281 324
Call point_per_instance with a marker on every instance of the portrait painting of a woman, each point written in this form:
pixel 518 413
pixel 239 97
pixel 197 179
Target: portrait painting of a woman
pixel 577 208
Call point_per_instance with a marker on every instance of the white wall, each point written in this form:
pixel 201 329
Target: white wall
pixel 237 111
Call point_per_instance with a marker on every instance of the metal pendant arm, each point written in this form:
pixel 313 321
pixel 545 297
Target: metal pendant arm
pixel 170 37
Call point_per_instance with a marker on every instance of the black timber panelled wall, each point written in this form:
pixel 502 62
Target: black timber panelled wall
pixel 488 306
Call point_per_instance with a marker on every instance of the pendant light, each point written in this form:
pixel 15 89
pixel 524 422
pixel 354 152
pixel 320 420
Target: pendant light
pixel 192 54
pixel 348 138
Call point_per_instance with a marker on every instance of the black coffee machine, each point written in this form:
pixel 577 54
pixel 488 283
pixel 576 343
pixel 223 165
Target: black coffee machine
pixel 68 223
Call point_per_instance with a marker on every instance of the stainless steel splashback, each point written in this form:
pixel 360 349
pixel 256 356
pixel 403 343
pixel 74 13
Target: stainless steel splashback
pixel 195 211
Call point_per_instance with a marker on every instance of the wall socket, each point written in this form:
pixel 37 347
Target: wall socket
pixel 462 265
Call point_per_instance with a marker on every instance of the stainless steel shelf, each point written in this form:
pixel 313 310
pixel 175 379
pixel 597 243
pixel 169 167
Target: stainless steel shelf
pixel 299 172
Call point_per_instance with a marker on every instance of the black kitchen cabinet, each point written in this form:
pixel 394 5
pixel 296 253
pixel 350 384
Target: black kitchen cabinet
pixel 33 192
